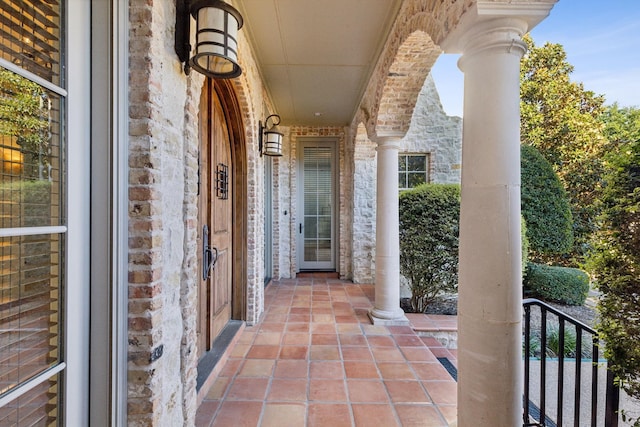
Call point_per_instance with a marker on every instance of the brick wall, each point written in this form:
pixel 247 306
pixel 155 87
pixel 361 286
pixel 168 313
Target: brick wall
pixel 156 230
pixel 420 28
pixel 163 215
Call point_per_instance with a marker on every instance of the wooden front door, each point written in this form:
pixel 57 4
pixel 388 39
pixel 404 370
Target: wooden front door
pixel 215 220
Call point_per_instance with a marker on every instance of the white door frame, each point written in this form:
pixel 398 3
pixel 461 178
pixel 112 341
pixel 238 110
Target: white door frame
pixel 299 228
pixel 109 213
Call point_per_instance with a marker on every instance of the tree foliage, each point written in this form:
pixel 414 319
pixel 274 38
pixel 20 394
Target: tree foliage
pixel 545 207
pixel 429 230
pixel 561 119
pixel 25 116
pixel 615 260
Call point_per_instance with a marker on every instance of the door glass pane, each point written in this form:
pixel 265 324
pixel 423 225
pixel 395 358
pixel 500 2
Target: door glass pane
pixel 30 35
pixel 310 180
pixel 324 182
pixel 310 227
pixel 324 250
pixel 30 173
pixel 324 204
pixel 310 250
pixel 310 204
pixel 30 295
pixel 324 227
pixel 37 407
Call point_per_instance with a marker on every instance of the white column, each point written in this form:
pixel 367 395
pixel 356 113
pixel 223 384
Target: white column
pixel 387 297
pixel 490 283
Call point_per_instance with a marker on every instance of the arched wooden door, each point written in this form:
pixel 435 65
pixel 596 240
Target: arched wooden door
pixel 215 214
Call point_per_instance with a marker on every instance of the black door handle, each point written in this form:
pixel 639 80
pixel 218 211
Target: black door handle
pixel 300 228
pixel 209 254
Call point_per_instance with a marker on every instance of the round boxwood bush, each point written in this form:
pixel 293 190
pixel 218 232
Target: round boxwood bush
pixel 545 206
pixel 563 285
pixel 429 229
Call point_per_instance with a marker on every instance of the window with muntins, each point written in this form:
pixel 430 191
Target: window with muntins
pixel 413 170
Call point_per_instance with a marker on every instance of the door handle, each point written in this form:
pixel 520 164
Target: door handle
pixel 209 254
pixel 300 228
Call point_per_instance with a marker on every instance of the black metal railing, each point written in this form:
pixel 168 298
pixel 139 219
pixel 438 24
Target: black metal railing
pixel 564 350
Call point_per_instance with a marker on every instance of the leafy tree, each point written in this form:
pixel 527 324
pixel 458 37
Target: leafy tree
pixel 545 207
pixel 621 125
pixel 615 260
pixel 429 230
pixel 561 119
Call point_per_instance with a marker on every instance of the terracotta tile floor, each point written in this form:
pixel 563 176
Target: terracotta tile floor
pixel 316 360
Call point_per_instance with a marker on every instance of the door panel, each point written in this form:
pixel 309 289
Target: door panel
pixel 316 206
pixel 36 213
pixel 216 213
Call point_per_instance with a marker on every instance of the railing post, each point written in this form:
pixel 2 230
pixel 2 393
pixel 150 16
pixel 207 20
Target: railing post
pixel 612 404
pixel 527 363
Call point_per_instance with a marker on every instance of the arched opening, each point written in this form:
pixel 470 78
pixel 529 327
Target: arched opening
pixel 222 213
pixel 403 83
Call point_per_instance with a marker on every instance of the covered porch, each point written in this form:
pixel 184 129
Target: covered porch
pixel 315 359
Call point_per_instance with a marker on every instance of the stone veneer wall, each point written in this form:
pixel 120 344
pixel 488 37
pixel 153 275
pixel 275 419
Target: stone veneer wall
pixel 432 131
pixel 364 208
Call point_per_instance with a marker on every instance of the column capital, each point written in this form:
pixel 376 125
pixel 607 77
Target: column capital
pixel 389 140
pixel 504 19
pixel 502 35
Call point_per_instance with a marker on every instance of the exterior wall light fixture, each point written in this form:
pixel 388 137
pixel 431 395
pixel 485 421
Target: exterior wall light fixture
pixel 270 140
pixel 216 50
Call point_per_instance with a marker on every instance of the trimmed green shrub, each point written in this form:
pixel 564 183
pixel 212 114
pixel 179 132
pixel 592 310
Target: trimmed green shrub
pixel 429 230
pixel 545 207
pixel 556 284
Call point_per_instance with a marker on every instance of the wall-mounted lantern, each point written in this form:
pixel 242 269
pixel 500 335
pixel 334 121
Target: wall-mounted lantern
pixel 270 140
pixel 216 49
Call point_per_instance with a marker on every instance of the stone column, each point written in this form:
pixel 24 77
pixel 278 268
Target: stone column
pixel 387 298
pixel 490 281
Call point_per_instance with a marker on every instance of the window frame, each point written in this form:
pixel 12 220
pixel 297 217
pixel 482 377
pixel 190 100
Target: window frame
pixel 406 172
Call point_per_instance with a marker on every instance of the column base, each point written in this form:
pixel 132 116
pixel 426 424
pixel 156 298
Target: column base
pixel 386 318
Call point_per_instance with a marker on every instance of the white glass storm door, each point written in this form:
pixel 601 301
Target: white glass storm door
pixel 43 214
pixel 316 213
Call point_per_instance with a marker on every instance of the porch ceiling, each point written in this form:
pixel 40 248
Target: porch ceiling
pixel 316 56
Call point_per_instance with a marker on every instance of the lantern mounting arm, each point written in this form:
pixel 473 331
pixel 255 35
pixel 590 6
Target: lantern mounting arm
pixel 183 32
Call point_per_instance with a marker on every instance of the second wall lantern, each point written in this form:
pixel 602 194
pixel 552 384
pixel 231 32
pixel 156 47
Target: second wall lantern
pixel 270 140
pixel 216 48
